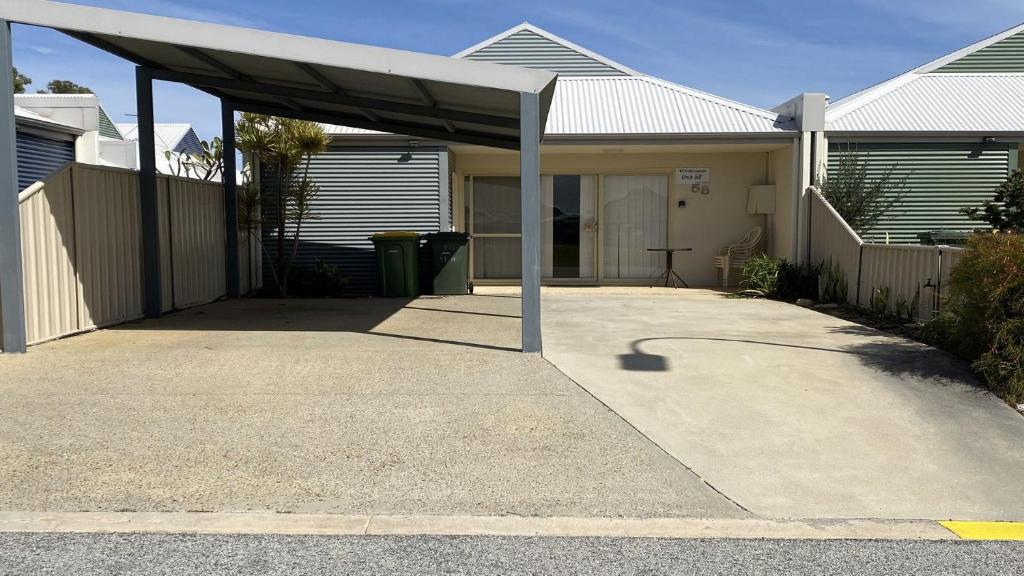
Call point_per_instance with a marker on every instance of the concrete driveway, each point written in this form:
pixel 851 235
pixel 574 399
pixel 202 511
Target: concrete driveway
pixel 793 413
pixel 345 406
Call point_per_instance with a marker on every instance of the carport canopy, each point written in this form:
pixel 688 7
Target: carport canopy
pixel 315 79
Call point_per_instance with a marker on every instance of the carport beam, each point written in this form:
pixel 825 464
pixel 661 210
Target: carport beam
pixel 529 175
pixel 152 298
pixel 12 287
pixel 231 268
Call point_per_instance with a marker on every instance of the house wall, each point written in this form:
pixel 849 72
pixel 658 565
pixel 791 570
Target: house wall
pixel 363 190
pixel 942 178
pixel 707 223
pixel 783 222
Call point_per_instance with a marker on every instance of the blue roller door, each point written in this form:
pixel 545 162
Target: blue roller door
pixel 38 157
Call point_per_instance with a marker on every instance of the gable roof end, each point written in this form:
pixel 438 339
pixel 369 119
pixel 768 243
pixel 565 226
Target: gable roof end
pixel 529 46
pixel 903 95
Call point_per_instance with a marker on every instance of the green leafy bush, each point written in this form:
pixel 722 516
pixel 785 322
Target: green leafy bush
pixel 797 281
pixel 834 287
pixel 761 273
pixel 983 319
pixel 1005 211
pixel 322 280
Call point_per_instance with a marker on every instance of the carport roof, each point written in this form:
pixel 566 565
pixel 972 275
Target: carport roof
pixel 323 80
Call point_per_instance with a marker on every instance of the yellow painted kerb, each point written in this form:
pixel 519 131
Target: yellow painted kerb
pixel 986 530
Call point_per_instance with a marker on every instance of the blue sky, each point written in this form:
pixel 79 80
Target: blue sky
pixel 757 52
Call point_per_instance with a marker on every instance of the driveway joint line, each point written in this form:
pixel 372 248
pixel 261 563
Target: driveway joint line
pixel 648 438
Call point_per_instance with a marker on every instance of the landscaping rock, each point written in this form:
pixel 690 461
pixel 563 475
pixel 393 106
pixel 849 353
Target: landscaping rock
pixel 805 302
pixel 826 306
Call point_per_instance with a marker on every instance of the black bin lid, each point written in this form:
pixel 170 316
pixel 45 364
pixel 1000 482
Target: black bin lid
pixel 447 236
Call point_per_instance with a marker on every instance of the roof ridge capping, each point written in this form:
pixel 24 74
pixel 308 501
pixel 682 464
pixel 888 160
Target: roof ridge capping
pixel 526 26
pixel 263 43
pixel 862 97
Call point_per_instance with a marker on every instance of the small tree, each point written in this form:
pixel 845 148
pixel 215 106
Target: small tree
pixel 1005 212
pixel 858 196
pixel 284 147
pixel 20 81
pixel 64 87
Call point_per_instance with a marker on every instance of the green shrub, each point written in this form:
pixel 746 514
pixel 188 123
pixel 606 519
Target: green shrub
pixel 983 319
pixel 322 280
pixel 834 287
pixel 797 281
pixel 761 273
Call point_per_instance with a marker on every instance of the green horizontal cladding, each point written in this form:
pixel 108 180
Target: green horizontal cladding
pixel 942 179
pixel 107 128
pixel 1007 55
pixel 531 50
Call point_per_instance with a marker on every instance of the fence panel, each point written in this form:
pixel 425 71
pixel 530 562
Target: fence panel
pixel 109 242
pixel 833 240
pixel 197 241
pixel 82 248
pixel 48 245
pixel 904 277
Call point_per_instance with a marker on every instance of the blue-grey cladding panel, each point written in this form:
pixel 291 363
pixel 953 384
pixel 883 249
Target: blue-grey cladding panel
pixel 38 157
pixel 362 191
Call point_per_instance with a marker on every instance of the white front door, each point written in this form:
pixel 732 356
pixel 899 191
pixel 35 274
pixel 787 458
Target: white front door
pixel 634 217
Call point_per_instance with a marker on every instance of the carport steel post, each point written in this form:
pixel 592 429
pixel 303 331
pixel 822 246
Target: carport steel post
pixel 529 176
pixel 12 287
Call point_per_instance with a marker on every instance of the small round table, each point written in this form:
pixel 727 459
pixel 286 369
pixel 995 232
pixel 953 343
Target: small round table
pixel 669 273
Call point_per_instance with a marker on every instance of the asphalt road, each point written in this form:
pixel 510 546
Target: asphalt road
pixel 182 555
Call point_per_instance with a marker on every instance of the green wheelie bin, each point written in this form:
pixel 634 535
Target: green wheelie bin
pixel 449 262
pixel 398 263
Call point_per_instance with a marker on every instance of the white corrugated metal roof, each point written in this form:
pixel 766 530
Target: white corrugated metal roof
pixel 940 103
pixel 923 100
pixel 638 105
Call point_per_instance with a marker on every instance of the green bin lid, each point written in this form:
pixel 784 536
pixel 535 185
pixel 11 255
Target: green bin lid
pixel 396 235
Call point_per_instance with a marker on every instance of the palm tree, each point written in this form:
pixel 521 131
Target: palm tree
pixel 285 147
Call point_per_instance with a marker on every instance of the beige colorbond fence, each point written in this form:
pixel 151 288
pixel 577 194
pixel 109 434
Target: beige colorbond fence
pixel 82 248
pixel 898 274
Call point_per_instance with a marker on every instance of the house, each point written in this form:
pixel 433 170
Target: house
pixel 43 145
pixel 57 128
pixel 953 127
pixel 179 139
pixel 629 163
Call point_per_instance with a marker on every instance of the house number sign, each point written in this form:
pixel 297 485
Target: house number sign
pixel 697 179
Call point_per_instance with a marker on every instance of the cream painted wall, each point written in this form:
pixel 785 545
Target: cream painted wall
pixel 707 223
pixel 784 190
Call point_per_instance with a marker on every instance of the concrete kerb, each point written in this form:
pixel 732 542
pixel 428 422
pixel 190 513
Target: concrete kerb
pixel 384 525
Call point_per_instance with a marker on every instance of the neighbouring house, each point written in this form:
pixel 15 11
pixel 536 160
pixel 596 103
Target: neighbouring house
pixel 953 126
pixel 630 163
pixel 179 139
pixel 96 140
pixel 43 146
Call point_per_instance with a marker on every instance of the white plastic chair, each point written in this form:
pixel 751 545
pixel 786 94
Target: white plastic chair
pixel 738 254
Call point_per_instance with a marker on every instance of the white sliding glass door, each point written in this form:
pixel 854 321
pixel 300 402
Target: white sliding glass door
pixel 634 217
